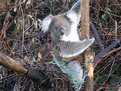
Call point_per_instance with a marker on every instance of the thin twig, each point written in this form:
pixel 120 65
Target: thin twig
pixel 116 29
pixel 22 29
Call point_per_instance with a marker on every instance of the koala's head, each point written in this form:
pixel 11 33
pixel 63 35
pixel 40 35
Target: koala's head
pixel 63 26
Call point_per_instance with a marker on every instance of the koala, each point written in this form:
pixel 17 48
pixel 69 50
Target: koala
pixel 63 29
pixel 63 26
pixel 66 40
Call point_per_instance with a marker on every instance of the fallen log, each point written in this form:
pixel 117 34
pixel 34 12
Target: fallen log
pixel 14 65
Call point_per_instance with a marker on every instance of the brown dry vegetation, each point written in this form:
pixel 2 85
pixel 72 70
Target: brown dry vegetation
pixel 25 42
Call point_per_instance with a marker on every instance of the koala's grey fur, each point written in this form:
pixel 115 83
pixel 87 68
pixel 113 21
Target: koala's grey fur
pixel 65 39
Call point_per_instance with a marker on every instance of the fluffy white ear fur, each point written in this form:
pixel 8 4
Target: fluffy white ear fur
pixel 73 16
pixel 76 6
pixel 74 13
pixel 46 23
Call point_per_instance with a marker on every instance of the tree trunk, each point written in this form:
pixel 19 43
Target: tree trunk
pixel 88 55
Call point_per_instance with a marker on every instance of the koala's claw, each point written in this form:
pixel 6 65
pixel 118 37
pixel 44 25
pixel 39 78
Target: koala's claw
pixel 87 36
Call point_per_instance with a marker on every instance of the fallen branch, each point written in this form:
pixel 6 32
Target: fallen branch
pixel 106 55
pixel 14 65
pixel 105 51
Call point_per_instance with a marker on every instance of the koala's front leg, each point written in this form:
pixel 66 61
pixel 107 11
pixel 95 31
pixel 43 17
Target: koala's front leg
pixel 72 49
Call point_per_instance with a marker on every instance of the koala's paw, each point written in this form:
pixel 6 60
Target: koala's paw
pixel 87 42
pixel 92 39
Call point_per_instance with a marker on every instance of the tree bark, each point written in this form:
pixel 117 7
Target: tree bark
pixel 88 55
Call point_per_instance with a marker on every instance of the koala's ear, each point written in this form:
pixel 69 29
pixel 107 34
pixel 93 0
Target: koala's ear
pixel 76 7
pixel 46 23
pixel 74 13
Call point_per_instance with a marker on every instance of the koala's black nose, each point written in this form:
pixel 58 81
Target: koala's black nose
pixel 61 30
